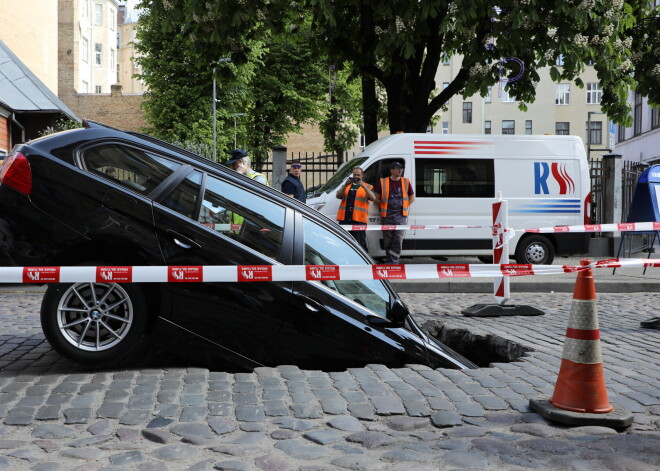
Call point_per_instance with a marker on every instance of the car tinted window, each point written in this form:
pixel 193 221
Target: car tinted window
pixel 134 168
pixel 183 199
pixel 322 247
pixel 245 217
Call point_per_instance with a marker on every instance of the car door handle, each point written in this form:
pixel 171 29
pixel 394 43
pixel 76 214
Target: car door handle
pixel 183 241
pixel 310 304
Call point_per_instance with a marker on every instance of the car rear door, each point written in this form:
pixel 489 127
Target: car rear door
pixel 193 228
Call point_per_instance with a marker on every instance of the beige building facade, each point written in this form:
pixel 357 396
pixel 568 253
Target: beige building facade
pixel 29 29
pixel 126 65
pixel 560 108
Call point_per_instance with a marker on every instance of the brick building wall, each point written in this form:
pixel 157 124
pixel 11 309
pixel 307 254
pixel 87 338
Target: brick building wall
pixel 115 109
pixel 29 29
pixel 4 136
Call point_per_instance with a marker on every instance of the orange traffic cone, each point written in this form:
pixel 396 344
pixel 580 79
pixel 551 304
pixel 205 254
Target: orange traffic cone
pixel 581 385
pixel 580 396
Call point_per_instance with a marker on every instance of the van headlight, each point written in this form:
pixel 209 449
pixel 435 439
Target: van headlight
pixel 317 206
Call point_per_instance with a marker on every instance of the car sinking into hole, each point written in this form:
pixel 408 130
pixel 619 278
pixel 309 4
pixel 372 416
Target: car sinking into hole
pixel 97 196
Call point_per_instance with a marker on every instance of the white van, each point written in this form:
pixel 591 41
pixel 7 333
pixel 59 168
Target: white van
pixel 456 178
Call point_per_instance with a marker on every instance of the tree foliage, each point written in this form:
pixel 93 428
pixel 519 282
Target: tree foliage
pixel 400 43
pixel 275 82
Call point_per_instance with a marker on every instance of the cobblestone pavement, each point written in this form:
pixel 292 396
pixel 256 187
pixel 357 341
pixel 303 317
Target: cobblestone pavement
pixel 157 412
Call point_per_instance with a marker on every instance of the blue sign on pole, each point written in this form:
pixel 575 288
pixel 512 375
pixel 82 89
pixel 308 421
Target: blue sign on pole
pixel 645 203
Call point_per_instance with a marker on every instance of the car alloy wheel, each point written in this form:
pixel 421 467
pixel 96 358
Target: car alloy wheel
pixel 95 316
pixel 94 323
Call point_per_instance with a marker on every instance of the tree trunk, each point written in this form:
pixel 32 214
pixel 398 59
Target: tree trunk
pixel 370 107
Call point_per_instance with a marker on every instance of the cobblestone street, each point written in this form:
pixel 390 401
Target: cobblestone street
pixel 155 411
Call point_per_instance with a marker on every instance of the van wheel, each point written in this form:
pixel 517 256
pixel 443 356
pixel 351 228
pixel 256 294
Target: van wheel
pixel 93 323
pixel 535 250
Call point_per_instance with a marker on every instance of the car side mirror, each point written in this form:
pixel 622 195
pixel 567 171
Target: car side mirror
pixel 398 312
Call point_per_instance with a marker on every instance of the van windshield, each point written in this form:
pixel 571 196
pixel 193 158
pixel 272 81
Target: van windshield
pixel 342 174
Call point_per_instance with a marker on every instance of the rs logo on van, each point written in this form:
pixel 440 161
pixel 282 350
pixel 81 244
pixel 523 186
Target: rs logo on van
pixel 542 172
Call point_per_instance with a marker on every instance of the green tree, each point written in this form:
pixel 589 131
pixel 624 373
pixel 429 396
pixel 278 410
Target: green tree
pixel 400 44
pixel 275 79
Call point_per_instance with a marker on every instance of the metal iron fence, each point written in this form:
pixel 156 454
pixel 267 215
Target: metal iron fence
pixel 317 167
pixel 600 184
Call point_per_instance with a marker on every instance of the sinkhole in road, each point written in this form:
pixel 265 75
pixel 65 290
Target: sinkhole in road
pixel 480 349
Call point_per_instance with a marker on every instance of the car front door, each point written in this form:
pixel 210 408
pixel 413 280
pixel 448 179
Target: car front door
pixel 329 324
pixel 193 227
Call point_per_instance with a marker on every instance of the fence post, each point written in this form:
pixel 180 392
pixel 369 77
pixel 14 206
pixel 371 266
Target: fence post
pixel 613 195
pixel 279 167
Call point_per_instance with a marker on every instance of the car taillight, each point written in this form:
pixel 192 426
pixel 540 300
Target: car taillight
pixel 587 209
pixel 16 173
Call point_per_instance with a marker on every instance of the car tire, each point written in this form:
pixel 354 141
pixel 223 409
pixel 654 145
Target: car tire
pixel 535 250
pixel 93 323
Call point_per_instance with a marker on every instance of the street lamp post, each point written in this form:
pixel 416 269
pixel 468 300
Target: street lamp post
pixel 220 61
pixel 235 115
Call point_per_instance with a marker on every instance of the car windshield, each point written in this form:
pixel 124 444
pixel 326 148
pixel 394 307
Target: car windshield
pixel 322 247
pixel 342 174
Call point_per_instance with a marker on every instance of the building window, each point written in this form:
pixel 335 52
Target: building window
pixel 621 133
pixel 112 20
pixel 506 98
pixel 445 127
pixel 97 89
pixel 637 117
pixel 98 49
pixel 445 85
pixel 594 93
pixel 112 60
pixel 655 118
pixel 85 87
pixel 467 111
pixel 84 5
pixel 445 59
pixel 528 126
pixel 560 60
pixel 595 135
pixel 562 128
pixel 563 94
pixel 489 96
pixel 487 128
pixel 98 14
pixel 508 127
pixel 85 49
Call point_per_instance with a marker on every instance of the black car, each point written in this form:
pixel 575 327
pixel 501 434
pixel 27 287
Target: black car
pixel 101 197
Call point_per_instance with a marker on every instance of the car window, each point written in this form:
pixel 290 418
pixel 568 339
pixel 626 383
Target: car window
pixel 455 178
pixel 183 199
pixel 322 247
pixel 380 169
pixel 134 168
pixel 247 218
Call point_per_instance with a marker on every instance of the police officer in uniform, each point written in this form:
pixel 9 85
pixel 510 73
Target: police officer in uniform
pixel 240 162
pixel 292 186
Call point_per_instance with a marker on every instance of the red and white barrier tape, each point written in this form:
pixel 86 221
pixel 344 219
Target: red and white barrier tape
pixel 620 227
pixel 241 273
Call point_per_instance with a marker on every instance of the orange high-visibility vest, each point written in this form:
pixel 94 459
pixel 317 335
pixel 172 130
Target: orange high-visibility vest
pixel 360 205
pixel 385 189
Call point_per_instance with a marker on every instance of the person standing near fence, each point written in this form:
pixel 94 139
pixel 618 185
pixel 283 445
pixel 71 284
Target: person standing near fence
pixel 395 195
pixel 240 162
pixel 354 207
pixel 292 186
